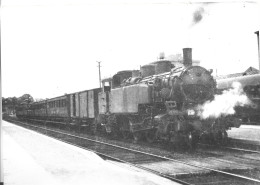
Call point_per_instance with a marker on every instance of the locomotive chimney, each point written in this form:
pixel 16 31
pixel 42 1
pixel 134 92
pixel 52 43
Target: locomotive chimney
pixel 187 57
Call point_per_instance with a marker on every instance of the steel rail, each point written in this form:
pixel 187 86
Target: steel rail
pixel 232 148
pixel 47 121
pixel 241 149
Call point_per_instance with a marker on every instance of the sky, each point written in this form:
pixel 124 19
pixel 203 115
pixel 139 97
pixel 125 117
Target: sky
pixel 51 47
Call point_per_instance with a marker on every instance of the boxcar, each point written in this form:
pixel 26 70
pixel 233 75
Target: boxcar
pixel 83 107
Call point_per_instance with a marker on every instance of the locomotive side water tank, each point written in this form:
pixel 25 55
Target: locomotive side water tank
pixel 127 99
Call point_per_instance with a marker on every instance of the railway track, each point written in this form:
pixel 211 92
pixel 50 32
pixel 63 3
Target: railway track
pixel 230 148
pixel 245 144
pixel 234 156
pixel 240 153
pixel 190 171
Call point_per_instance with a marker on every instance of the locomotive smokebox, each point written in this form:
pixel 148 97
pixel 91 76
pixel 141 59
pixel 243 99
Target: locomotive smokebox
pixel 187 57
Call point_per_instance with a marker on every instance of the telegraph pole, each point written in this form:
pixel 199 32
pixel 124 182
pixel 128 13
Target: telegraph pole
pixel 257 33
pixel 99 73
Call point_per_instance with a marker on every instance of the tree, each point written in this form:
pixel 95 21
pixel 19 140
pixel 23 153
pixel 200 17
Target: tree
pixel 14 103
pixel 25 99
pixel 5 102
pixel 9 104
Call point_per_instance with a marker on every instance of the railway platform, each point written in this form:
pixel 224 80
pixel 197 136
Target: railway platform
pixel 34 159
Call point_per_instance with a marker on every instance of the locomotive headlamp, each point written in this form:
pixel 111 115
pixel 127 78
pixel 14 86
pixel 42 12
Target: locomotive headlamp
pixel 190 112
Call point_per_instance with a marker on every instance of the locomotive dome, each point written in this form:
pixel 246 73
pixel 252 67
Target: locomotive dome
pixel 148 70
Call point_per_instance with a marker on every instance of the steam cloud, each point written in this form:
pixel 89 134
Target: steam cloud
pixel 198 15
pixel 224 104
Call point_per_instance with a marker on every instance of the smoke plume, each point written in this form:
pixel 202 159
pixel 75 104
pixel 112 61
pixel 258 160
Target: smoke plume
pixel 198 15
pixel 224 104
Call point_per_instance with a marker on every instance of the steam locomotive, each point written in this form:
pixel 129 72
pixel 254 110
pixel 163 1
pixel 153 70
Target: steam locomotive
pixel 159 102
pixel 251 86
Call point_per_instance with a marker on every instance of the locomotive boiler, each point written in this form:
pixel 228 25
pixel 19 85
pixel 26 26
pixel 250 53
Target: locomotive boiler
pixel 159 102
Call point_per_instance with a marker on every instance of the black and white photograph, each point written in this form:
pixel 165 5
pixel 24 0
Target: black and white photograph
pixel 133 92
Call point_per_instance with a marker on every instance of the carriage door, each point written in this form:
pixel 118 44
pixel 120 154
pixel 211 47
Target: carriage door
pixel 74 104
